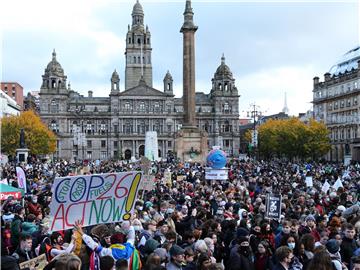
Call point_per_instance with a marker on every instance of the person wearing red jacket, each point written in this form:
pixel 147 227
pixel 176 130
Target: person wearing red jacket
pixel 34 207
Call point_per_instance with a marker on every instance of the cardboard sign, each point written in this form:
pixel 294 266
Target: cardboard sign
pixel 325 187
pixel 93 199
pixel 167 178
pixel 37 263
pixel 214 174
pixel 180 177
pixel 147 183
pixel 309 181
pixel 273 206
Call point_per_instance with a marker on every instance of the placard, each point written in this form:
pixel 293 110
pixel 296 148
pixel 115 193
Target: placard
pixel 93 199
pixel 273 206
pixel 37 263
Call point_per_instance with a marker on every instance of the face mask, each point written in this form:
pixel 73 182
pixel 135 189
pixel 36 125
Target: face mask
pixel 35 201
pixel 137 228
pixel 291 245
pixel 140 208
pixel 146 218
pixel 248 225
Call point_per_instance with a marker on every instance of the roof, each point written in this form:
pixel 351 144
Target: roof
pixel 142 90
pixel 347 62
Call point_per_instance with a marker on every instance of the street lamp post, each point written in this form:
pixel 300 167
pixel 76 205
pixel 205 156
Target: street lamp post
pixel 255 113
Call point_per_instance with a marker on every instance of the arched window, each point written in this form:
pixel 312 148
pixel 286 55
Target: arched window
pixel 148 40
pixel 226 127
pixel 139 38
pixel 138 59
pixel 129 40
pixel 168 86
pixel 127 106
pixel 226 87
pixel 53 83
pixel 134 59
pixel 220 86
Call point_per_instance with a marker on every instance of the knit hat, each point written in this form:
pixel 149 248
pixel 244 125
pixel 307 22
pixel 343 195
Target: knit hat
pixel 151 245
pixel 176 250
pixel 161 252
pixel 332 246
pixel 309 218
pixel 242 232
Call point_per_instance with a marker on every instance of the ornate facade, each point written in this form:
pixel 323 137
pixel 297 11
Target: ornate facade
pixel 336 103
pixel 115 126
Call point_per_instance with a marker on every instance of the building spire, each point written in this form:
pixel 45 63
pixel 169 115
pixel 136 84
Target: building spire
pixel 285 109
pixel 223 59
pixel 54 55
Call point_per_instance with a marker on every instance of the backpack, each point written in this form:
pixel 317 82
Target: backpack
pixel 45 248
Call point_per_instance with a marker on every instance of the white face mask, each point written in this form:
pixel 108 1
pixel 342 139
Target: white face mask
pixel 291 245
pixel 137 228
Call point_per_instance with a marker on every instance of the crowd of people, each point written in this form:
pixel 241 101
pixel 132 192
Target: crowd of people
pixel 191 223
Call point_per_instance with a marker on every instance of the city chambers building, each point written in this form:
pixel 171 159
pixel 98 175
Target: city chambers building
pixel 336 103
pixel 89 127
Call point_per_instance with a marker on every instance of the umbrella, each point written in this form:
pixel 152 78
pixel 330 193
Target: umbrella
pixel 6 191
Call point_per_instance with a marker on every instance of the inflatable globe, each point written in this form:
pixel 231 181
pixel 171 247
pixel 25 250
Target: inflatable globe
pixel 216 159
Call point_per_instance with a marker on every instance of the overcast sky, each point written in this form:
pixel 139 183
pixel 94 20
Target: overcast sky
pixel 271 47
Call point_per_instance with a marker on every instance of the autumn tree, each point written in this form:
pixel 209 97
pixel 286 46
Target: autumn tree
pixel 292 138
pixel 38 138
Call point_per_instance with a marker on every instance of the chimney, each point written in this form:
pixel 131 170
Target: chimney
pixel 90 93
pixel 327 76
pixel 316 81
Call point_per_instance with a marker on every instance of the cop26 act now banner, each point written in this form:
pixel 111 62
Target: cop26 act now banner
pixel 93 199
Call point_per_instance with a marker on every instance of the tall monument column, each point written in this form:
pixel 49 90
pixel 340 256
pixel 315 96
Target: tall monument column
pixel 188 29
pixel 190 142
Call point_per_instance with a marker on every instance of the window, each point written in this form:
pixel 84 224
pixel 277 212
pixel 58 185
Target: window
pixel 89 155
pixel 54 107
pixel 116 144
pixel 103 143
pixel 226 127
pixel 103 155
pixel 116 128
pixel 348 103
pixel 127 127
pixel 156 107
pixel 89 144
pixel 116 154
pixel 355 85
pixel 127 106
pixel 169 128
pixel 54 126
pixel 102 127
pixel 355 101
pixel 226 108
pixel 330 106
pixel 335 105
pixel 142 106
pixel 227 143
pixel 342 104
pixel 169 144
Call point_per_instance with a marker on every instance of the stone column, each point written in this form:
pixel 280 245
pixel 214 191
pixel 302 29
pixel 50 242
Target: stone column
pixel 188 29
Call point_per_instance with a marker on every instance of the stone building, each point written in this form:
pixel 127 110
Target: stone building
pixel 91 127
pixel 336 103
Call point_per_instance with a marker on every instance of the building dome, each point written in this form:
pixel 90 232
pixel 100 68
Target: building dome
pixel 168 76
pixel 347 62
pixel 223 69
pixel 137 9
pixel 54 66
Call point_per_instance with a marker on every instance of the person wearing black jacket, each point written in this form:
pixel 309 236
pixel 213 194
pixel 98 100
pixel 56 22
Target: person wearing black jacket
pixel 24 251
pixel 348 245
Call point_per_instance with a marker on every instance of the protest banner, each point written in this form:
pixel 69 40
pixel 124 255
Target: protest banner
pixel 93 199
pixel 180 178
pixel 273 206
pixel 21 178
pixel 216 174
pixel 37 263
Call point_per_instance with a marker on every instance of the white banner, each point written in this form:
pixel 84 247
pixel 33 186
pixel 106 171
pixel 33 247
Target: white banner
pixel 21 178
pixel 309 181
pixel 213 174
pixel 93 199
